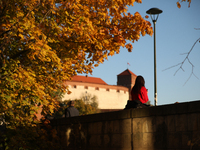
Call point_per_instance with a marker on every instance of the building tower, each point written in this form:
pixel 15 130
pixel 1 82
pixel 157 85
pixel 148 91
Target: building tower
pixel 127 79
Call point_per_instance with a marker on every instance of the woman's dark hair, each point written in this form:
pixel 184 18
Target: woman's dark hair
pixel 139 82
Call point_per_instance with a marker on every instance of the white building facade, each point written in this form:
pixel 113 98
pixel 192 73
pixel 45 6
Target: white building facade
pixel 109 97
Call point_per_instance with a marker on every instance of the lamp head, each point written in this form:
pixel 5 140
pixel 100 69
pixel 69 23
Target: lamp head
pixel 154 13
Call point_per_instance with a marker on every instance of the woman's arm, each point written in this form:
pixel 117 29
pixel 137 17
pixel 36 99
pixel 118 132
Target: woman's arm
pixel 143 94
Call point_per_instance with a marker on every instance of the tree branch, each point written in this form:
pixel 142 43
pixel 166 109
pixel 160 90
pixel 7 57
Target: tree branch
pixel 181 64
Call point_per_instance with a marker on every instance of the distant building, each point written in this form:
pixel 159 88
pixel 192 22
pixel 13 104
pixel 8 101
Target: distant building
pixel 127 79
pixel 110 97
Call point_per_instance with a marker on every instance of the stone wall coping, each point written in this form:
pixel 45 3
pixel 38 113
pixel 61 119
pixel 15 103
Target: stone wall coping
pixel 161 110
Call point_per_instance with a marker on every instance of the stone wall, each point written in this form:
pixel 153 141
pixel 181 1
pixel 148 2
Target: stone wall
pixel 166 127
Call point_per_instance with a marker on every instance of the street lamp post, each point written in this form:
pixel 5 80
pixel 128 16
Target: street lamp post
pixel 154 13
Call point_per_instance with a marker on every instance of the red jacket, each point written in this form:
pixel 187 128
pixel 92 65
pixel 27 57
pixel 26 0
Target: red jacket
pixel 141 96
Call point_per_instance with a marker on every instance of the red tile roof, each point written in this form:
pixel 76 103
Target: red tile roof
pixel 126 72
pixel 87 79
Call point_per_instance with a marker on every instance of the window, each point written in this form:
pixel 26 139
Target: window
pixel 97 88
pixel 107 89
pixel 74 86
pixel 118 91
pixel 86 87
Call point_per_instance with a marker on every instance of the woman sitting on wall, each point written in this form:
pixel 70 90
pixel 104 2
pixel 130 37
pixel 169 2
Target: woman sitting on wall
pixel 139 94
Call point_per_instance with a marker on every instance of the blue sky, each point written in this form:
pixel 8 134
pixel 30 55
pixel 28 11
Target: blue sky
pixel 175 35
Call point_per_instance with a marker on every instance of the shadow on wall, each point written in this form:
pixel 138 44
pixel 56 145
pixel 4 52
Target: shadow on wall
pixel 72 136
pixel 165 127
pixel 161 140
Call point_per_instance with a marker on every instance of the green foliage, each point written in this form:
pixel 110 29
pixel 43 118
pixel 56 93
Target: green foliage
pixel 85 106
pixel 90 104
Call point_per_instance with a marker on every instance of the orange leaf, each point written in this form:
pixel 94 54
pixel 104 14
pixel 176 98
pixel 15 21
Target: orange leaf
pixel 178 5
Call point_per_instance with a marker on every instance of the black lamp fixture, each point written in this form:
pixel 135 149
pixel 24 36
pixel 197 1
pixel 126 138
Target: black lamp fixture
pixel 154 13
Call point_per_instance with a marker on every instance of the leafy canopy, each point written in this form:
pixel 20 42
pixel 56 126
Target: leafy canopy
pixel 44 42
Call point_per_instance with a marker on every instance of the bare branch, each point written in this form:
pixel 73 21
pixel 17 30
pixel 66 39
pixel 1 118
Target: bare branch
pixel 47 13
pixel 183 53
pixel 181 64
pixel 172 66
pixel 192 73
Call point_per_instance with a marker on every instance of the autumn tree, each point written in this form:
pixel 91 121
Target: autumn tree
pixel 45 42
pixel 86 108
pixel 88 104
